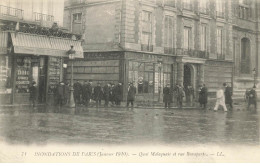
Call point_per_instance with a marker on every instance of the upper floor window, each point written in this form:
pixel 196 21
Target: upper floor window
pixel 146 38
pixel 203 7
pixel 186 38
pixel 245 56
pixel 203 40
pixel 168 31
pixel 220 43
pixel 169 3
pixel 244 12
pixel 187 4
pixel 220 8
pixel 77 18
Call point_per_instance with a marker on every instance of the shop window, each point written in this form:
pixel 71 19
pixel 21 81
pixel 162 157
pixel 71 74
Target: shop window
pixel 245 56
pixel 23 73
pixel 146 76
pixel 5 74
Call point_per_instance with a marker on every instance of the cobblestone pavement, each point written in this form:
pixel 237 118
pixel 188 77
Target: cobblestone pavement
pixel 43 125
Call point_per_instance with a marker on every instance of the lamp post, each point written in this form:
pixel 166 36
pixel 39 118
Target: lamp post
pixel 71 53
pixel 254 73
pixel 160 80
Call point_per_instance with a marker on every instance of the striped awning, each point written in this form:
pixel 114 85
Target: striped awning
pixel 3 42
pixel 43 45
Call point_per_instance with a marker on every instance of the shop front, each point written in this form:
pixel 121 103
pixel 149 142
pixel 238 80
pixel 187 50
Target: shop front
pixel 34 58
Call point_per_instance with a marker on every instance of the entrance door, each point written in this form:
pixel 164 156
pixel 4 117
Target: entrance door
pixel 42 79
pixel 187 80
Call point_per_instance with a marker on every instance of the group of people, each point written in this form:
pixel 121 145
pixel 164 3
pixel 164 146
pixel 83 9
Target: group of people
pixel 83 94
pixel 179 93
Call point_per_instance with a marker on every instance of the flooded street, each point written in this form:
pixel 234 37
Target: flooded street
pixel 24 125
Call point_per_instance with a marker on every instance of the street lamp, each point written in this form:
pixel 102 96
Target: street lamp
pixel 71 53
pixel 254 73
pixel 160 80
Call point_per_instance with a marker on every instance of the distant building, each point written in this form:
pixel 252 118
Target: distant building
pixel 32 47
pixel 154 42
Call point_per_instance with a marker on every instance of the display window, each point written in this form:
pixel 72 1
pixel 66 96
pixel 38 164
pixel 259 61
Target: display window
pixel 148 77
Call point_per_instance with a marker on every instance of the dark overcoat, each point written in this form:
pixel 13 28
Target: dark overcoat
pixel 228 95
pixel 88 92
pixel 33 92
pixel 77 89
pixel 106 91
pixel 131 93
pixel 252 96
pixel 203 96
pixel 118 93
pixel 98 93
pixel 167 97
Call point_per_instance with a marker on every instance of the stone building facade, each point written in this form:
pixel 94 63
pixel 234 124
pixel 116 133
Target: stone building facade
pixel 32 49
pixel 155 42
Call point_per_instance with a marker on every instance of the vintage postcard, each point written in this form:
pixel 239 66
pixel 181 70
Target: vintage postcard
pixel 154 81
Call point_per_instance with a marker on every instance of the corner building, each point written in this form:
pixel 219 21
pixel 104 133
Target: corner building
pixel 32 49
pixel 154 42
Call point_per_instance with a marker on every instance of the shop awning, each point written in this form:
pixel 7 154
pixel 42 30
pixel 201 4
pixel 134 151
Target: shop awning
pixel 3 42
pixel 43 45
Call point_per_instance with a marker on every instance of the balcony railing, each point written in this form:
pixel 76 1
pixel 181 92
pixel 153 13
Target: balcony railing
pixel 220 14
pixel 145 47
pixel 187 6
pixel 170 3
pixel 204 10
pixel 12 12
pixel 169 50
pixel 193 53
pixel 42 17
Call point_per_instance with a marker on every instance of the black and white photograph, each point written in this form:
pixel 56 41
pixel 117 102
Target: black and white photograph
pixel 129 81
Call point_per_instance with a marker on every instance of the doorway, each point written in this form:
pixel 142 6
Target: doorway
pixel 187 77
pixel 42 79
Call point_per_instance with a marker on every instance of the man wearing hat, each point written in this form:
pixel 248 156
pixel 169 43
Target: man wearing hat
pixel 252 96
pixel 33 93
pixel 167 96
pixel 131 91
pixel 98 94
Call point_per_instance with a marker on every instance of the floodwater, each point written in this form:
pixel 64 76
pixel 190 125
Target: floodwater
pixel 25 125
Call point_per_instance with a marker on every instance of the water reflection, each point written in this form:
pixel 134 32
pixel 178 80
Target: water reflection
pixel 44 125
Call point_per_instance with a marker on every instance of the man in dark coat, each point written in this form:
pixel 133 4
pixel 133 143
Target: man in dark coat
pixel 180 95
pixel 167 97
pixel 88 93
pixel 66 93
pixel 203 96
pixel 131 91
pixel 98 94
pixel 84 93
pixel 118 94
pixel 228 95
pixel 60 93
pixel 252 97
pixel 33 93
pixel 77 92
pixel 112 94
pixel 106 93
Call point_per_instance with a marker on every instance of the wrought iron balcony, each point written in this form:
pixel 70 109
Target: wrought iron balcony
pixel 192 53
pixel 11 12
pixel 204 10
pixel 187 6
pixel 220 14
pixel 169 50
pixel 145 47
pixel 170 3
pixel 43 17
